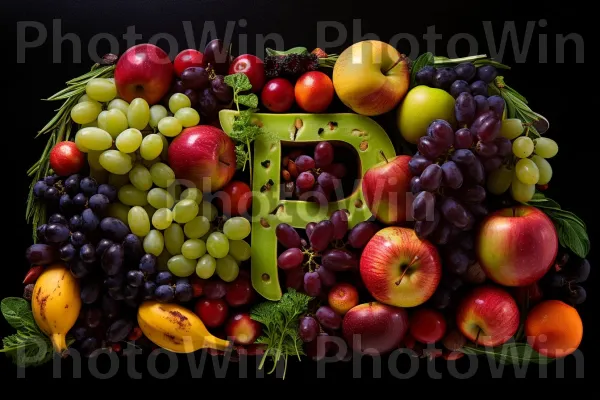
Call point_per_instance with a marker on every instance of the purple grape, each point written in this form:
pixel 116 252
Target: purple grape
pixel 442 133
pixel 339 219
pixel 457 261
pixel 99 203
pixel 310 227
pixel 114 229
pixel 418 163
pixel 195 78
pixel 88 186
pixel 459 87
pixel 78 239
pixel 207 103
pixel 119 330
pixel 463 139
pixel 327 276
pixel 487 73
pixel 72 184
pixel 360 235
pixel 476 172
pixel 466 241
pixel 193 96
pixel 497 105
pixel 425 75
pixel 290 259
pixel 489 129
pixel 481 104
pixel 328 318
pixel 423 206
pixel 65 203
pixel 323 154
pixel 479 88
pixel 425 228
pixel 415 185
pixel 491 164
pixel 431 178
pixel 473 194
pixel 57 219
pixel 217 56
pixel 305 181
pixel 90 220
pixel 312 284
pixel 304 163
pixel 504 146
pixel 52 195
pixel 39 189
pixel 222 91
pixel 109 191
pixel 133 247
pixel 454 212
pixel 443 78
pixel 87 253
pixel 79 202
pixel 465 108
pixel 67 252
pixel 465 71
pixel 321 235
pixel 135 278
pixel 477 209
pixel 56 233
pixel 328 182
pixel 112 259
pixel 147 264
pixel 287 236
pixel 90 292
pixel 178 87
pixel 339 260
pixel 451 175
pixel 308 329
pixel 463 157
pixel 486 149
pixel 429 148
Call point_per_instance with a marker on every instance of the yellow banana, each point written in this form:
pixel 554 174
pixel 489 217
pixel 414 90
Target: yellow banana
pixel 175 328
pixel 55 304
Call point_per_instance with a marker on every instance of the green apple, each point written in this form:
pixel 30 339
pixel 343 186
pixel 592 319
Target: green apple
pixel 421 106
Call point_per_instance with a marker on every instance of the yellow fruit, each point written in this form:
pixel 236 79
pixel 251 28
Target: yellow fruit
pixel 175 328
pixel 55 304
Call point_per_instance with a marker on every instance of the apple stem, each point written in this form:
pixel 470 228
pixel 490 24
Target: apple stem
pixel 477 336
pixel 398 61
pixel 402 276
pixel 383 155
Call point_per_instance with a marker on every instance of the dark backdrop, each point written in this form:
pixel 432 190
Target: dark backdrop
pixel 562 91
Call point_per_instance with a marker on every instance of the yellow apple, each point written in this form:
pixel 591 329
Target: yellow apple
pixel 371 77
pixel 421 106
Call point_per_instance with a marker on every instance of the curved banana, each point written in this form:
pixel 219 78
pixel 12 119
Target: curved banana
pixel 55 303
pixel 175 328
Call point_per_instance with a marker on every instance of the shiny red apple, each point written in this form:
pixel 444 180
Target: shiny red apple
pixel 516 246
pixel 400 269
pixel 386 188
pixel 203 155
pixel 253 67
pixel 243 329
pixel 66 159
pixel 143 71
pixel 187 58
pixel 488 316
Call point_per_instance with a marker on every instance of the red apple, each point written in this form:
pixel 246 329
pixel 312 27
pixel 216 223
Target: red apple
pixel 203 155
pixel 516 246
pixel 66 159
pixel 212 312
pixel 278 95
pixel 427 325
pixel 342 297
pixel 374 328
pixel 143 71
pixel 488 316
pixel 251 66
pixel 187 58
pixel 243 329
pixel 386 187
pixel 234 199
pixel 400 269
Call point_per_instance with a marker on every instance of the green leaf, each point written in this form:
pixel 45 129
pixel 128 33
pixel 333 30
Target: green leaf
pixel 510 353
pixel 17 312
pixel 293 50
pixel 27 350
pixel 541 201
pixel 573 236
pixel 241 156
pixel 239 82
pixel 423 60
pixel 248 100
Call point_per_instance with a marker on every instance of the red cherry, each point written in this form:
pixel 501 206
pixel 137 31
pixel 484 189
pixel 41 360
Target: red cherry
pixel 213 312
pixel 278 95
pixel 66 159
pixel 187 58
pixel 427 326
pixel 239 292
pixel 234 199
pixel 243 329
pixel 253 67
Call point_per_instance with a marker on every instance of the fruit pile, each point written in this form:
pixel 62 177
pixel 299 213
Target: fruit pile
pixel 147 211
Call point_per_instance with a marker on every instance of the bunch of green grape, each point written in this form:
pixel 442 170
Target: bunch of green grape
pixel 528 165
pixel 119 136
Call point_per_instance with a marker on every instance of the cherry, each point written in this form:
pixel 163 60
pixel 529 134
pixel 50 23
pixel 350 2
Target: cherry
pixel 239 292
pixel 212 312
pixel 427 326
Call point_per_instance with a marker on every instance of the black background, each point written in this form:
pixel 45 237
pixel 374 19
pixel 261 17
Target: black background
pixel 563 92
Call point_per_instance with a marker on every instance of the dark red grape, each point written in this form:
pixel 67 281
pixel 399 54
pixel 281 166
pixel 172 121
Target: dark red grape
pixel 339 219
pixel 465 71
pixel 487 73
pixel 321 235
pixel 327 276
pixel 425 75
pixel 482 104
pixel 222 91
pixel 497 104
pixel 337 169
pixel 193 96
pixel 207 103
pixel 489 129
pixel 486 149
pixel 178 87
pixel 287 236
pixel 213 289
pixel 217 56
pixel 441 131
pixel 328 318
pixel 93 317
pixel 431 178
pixel 454 212
pixel 476 172
pixel 312 284
pixel 459 86
pixel 323 154
pixel 308 329
pixel 430 148
pixel 310 227
pixel 423 206
pixel 463 139
pixel 327 181
pixel 477 209
pixel 290 259
pixel 195 78
pixel 305 163
pixel 451 175
pixel 305 181
pixel 463 157
pixel 418 163
pixel 465 108
pixel 294 278
pixel 339 260
pixel 361 233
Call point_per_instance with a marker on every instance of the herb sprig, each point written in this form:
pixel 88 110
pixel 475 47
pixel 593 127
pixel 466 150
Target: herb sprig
pixel 280 331
pixel 511 353
pixel 324 62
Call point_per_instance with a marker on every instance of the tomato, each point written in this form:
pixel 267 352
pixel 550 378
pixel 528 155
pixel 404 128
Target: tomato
pixel 66 159
pixel 187 58
pixel 427 326
pixel 314 92
pixel 212 312
pixel 278 95
pixel 234 199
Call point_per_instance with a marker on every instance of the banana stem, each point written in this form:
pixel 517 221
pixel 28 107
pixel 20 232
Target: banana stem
pixel 59 342
pixel 213 342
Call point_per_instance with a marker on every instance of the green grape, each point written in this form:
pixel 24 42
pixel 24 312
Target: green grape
pixel 188 117
pixel 174 239
pixel 206 266
pixel 185 211
pixel 151 147
pixel 178 101
pixel 227 269
pixel 132 196
pixel 175 190
pixel 113 121
pixel 93 158
pixel 239 250
pixel 86 112
pixel 93 139
pixel 162 218
pixel 546 148
pixel 129 140
pixel 118 181
pixel 160 198
pixel 197 227
pixel 162 175
pixel 208 210
pixel 544 168
pixel 101 89
pixel 522 147
pixel 237 228
pixel 193 249
pixel 149 163
pixel 211 229
pixel 217 245
pixel 499 180
pixel 119 211
pixel 521 191
pixel 181 266
pixel 119 104
pixel 138 114
pixel 164 154
pixel 157 112
pixel 170 126
pixel 150 211
pixel 139 176
pixel 84 98
pixel 527 171
pixel 138 221
pixel 93 124
pixel 192 194
pixel 80 146
pixel 511 128
pixel 116 162
pixel 154 243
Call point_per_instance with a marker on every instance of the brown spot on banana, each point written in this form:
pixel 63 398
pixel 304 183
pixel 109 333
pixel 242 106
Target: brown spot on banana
pixel 43 302
pixel 173 339
pixel 180 320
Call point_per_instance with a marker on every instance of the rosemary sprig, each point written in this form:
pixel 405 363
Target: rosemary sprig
pixel 59 129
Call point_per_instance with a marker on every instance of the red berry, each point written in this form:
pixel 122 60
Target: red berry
pixel 213 312
pixel 116 347
pixel 278 95
pixel 251 66
pixel 234 199
pixel 239 292
pixel 427 326
pixel 187 58
pixel 135 334
pixel 66 159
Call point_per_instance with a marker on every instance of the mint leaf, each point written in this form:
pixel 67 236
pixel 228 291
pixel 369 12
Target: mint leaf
pixel 248 100
pixel 573 236
pixel 241 156
pixel 17 312
pixel 293 50
pixel 423 60
pixel 26 350
pixel 239 82
pixel 510 353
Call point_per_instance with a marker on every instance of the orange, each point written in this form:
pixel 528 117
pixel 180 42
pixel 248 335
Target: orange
pixel 314 92
pixel 554 329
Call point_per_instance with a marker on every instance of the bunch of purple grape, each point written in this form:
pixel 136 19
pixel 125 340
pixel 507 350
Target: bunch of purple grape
pixel 311 266
pixel 563 281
